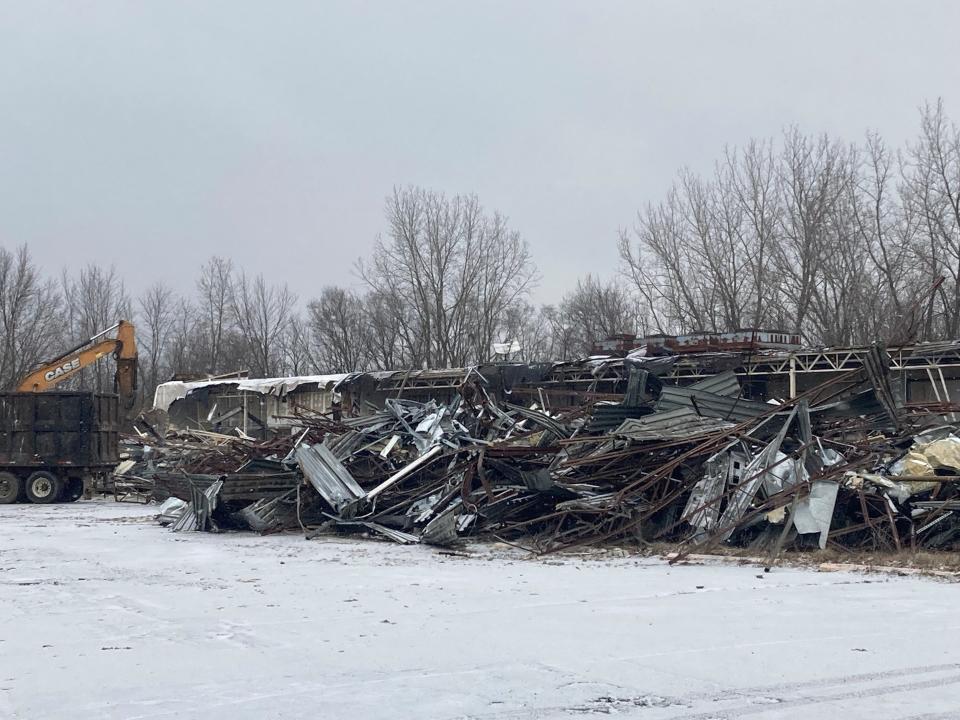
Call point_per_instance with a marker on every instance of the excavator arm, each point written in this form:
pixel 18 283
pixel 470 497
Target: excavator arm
pixel 124 349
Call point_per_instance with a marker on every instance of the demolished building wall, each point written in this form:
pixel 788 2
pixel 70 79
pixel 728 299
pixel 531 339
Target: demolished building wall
pixel 260 408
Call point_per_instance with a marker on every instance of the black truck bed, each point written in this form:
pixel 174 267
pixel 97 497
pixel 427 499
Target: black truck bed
pixel 59 430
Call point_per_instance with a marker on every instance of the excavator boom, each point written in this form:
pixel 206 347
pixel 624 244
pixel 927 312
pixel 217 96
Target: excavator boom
pixel 123 347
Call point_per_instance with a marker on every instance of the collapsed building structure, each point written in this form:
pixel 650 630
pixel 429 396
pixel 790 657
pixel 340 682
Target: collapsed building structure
pixel 769 366
pixel 760 447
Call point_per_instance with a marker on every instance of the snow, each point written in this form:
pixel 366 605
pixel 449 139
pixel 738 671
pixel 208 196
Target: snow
pixel 104 614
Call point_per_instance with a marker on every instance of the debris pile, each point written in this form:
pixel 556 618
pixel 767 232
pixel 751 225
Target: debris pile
pixel 844 465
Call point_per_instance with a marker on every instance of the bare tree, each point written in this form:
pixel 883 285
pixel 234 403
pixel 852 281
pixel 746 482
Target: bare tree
pixel 261 313
pixel 155 324
pixel 30 313
pixel 451 270
pixel 674 294
pixel 186 342
pixel 295 347
pixel 215 290
pixel 811 238
pixel 692 266
pixel 337 330
pixel 505 273
pixel 564 341
pixel 596 310
pixel 812 180
pixel 384 336
pixel 531 329
pixel 846 292
pixel 884 230
pixel 752 178
pixel 94 301
pixel 932 169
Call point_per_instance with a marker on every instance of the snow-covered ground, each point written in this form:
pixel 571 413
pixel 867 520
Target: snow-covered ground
pixel 105 615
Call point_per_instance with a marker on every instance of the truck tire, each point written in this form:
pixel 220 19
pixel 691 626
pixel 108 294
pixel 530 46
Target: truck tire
pixel 9 488
pixel 43 487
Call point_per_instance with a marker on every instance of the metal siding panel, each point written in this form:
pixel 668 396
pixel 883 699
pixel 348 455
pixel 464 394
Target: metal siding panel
pixel 328 475
pixel 734 409
pixel 725 383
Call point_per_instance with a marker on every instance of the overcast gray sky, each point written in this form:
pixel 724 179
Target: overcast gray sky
pixel 155 134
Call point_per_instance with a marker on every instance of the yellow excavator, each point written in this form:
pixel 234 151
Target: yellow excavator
pixel 54 444
pixel 123 347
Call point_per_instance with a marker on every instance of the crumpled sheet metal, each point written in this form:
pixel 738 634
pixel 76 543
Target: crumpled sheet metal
pixel 704 472
pixel 702 510
pixel 814 513
pixel 197 515
pixel 328 476
pixel 442 530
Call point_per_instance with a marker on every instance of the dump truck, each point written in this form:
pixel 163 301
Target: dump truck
pixel 54 444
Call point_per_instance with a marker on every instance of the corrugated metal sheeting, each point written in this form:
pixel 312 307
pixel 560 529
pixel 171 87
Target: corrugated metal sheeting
pixel 679 423
pixel 704 403
pixel 725 383
pixel 328 475
pixel 717 396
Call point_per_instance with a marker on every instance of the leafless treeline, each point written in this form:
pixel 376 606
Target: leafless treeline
pixel 233 322
pixel 830 240
pixel 836 241
pixel 446 282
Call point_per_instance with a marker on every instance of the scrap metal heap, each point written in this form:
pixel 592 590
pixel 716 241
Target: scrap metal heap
pixel 844 465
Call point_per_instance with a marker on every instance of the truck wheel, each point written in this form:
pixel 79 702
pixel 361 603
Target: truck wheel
pixel 9 488
pixel 43 487
pixel 72 489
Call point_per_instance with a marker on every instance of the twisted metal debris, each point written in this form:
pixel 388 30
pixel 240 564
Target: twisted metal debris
pixel 843 465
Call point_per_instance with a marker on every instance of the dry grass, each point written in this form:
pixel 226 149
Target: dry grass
pixel 941 564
